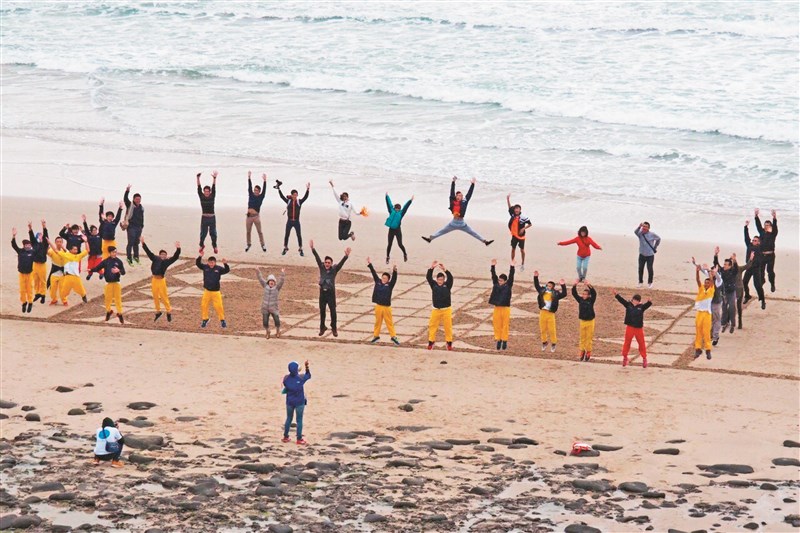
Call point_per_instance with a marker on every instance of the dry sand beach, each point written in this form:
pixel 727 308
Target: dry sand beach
pixel 401 439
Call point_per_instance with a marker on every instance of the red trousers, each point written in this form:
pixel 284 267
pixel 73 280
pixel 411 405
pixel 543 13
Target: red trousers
pixel 95 260
pixel 630 333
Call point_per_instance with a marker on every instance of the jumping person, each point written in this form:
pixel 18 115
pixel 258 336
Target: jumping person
pixel 72 236
pixel 728 271
pixel 717 299
pixel 442 312
pixel 296 400
pixel 500 298
pixel 740 287
pixel 393 222
pixel 108 227
pixel 208 221
pixel 756 270
pixel 382 298
pixel 25 257
pixel 458 207
pixel 56 276
pixel 211 288
pixel 293 205
pixel 72 280
pixel 586 317
pixel 39 273
pixel 345 212
pixel 134 218
pixel 109 443
pixel 158 283
pixel 270 300
pixel 768 233
pixel 255 197
pixel 327 287
pixel 518 225
pixel 634 325
pixel 95 245
pixel 648 247
pixel 112 268
pixel 702 321
pixel 584 243
pixel 547 300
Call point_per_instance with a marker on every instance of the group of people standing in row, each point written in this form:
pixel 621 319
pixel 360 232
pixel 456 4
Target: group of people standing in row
pixel 720 296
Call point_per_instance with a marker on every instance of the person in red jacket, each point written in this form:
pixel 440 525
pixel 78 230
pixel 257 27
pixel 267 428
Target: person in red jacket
pixel 584 243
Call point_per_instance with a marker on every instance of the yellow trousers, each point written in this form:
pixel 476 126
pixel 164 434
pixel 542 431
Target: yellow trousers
pixel 437 317
pixel 113 291
pixel 55 287
pixel 501 318
pixel 383 313
pixel 702 336
pixel 40 278
pixel 159 288
pixel 25 288
pixel 547 326
pixel 106 244
pixel 586 335
pixel 213 298
pixel 69 283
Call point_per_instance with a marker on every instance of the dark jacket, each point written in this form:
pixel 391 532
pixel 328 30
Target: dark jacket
pixel 207 204
pixel 159 266
pixel 501 294
pixel 107 264
pixel 108 230
pixel 440 295
pixel 585 307
pixel 25 257
pixel 464 201
pixel 70 239
pixel 728 276
pixel 293 206
pixel 752 248
pixel 556 295
pixel 382 293
pixel 95 241
pixel 137 215
pixel 327 278
pixel 767 238
pixel 40 248
pixel 293 383
pixel 211 276
pixel 634 314
pixel 254 200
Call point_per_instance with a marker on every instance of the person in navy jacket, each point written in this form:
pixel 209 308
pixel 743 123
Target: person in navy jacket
pixel 296 401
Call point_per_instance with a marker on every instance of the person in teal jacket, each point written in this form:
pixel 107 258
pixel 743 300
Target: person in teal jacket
pixel 396 214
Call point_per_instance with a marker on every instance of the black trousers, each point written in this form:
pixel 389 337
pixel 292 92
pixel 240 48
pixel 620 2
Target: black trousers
pixel 398 232
pixel 296 225
pixel 327 299
pixel 758 281
pixel 768 268
pixel 648 261
pixel 344 229
pixel 132 249
pixel 208 226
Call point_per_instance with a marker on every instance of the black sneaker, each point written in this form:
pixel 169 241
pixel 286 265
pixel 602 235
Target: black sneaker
pixel 708 354
pixel 731 330
pixel 714 342
pixel 426 239
pixel 247 248
pixel 121 320
pixel 499 344
pixel 334 332
pixel 85 299
pixel 487 243
pixel 24 307
pixel 771 287
pixel 504 346
pixel 387 260
pixel 136 260
pixel 108 315
pixel 158 315
pixel 374 340
pixel 169 317
pixel 396 341
pixel 763 304
pixel 405 260
pixel 301 253
pixel 697 353
pixel 130 262
pixel 284 251
pixel 322 331
pixel 30 306
pixel 747 298
pixel 263 248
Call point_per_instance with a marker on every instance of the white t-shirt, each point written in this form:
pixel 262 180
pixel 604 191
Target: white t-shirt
pixel 108 433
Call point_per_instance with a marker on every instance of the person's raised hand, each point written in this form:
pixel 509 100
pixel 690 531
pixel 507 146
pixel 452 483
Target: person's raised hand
pixel 44 222
pixel 102 200
pixel 368 261
pixel 433 265
pixel 394 267
pixel 693 261
pixel 201 252
pixel 84 238
pixel 13 232
pixel 561 281
pixel 83 217
pixel 331 182
pixel 121 204
pixel 30 224
pixel 755 212
pixel 697 268
pixel 214 174
pixel 586 282
pixel 264 176
pixel 128 188
pixel 614 292
pixel 774 214
pixel 347 251
pixel 455 178
pixel 198 175
pixel 412 197
pixel 249 174
pixel 536 273
pixel 494 262
pixel 473 181
pixel 308 186
pixel 141 239
pixel 716 250
pixel 733 256
pixel 177 244
pixel 441 267
pixel 224 261
pixel 311 243
pixel 649 300
pixel 747 222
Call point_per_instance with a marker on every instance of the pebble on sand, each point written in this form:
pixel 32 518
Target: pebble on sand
pixel 76 412
pixel 4 404
pixel 141 406
pixel 32 417
pixel 667 451
pixel 62 388
pixel 786 461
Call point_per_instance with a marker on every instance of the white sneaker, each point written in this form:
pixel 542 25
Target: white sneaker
pixel 649 285
pixel 552 347
pixel 544 346
pixel 522 267
pixel 640 285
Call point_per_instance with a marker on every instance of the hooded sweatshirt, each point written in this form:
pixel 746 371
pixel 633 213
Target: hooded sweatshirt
pixel 211 276
pixel 159 266
pixel 40 251
pixel 395 217
pixel 634 313
pixel 108 229
pixel 269 301
pixel 585 306
pixel 501 294
pixel 24 257
pixel 293 383
pixel 440 294
pixel 555 296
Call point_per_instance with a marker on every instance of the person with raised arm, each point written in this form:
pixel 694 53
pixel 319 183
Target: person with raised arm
pixel 112 268
pixel 648 247
pixel 518 225
pixel 296 401
pixel 71 268
pixel 270 300
pixel 108 227
pixel 768 233
pixel 346 211
pixel 40 250
pixel 56 275
pixel 25 257
pixel 586 316
pixel 158 283
pixel 394 222
pixel 208 220
pixel 382 298
pixel 327 287
pixel 729 272
pixel 500 298
pixel 255 197
pixel 293 206
pixel 547 299
pixel 634 325
pixel 702 304
pixel 458 207
pixel 95 245
pixel 756 270
pixel 716 300
pixel 585 244
pixel 134 219
pixel 442 312
pixel 212 295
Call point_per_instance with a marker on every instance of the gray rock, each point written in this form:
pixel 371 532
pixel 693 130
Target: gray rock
pixel 186 418
pixel 141 406
pixel 141 423
pixel 189 506
pixel 750 525
pixel 249 450
pixel 407 407
pixel 52 486
pixel 4 404
pixel 3 416
pixel 524 440
pixel 667 451
pixel 308 477
pixel 592 485
pixel 413 481
pixel 272 492
pixel 483 448
pixel 320 465
pixel 586 453
pixel 6 521
pixel 413 429
pixel 501 441
pixel 62 388
pixel 76 412
pixel 32 417
pixel 463 442
pixel 636 487
pixel 62 496
pixel 404 505
pixel 655 495
pixel 491 430
pixel 415 402
pixel 258 468
pixel 27 408
pixel 138 459
pixel 344 435
pixel 280 528
pixel 606 447
pixel 206 488
pixel 372 518
pixel 480 491
pixel 401 463
pixel 727 468
pixel 793 519
pixel 144 442
pixel 741 483
pixel 26 521
pixel 435 518
pixel 786 461
pixel 517 446
pixel 581 528
pixel 768 486
pixel 791 444
pixel 438 445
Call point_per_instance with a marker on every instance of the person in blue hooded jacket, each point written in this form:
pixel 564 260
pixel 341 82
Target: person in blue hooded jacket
pixel 295 399
pixel 395 218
